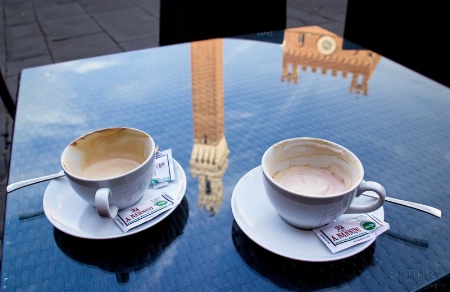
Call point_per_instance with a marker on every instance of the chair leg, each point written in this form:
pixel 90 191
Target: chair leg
pixel 7 98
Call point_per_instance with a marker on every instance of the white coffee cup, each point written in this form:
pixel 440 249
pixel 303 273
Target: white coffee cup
pixel 311 182
pixel 110 168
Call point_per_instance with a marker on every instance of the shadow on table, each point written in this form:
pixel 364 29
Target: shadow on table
pixel 126 254
pixel 297 275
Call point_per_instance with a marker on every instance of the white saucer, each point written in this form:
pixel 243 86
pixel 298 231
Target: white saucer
pixel 257 218
pixel 72 215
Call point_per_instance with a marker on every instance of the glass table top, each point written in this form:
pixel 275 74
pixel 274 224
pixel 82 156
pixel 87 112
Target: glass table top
pixel 219 104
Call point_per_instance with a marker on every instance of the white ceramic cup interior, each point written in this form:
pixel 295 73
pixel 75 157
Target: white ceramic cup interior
pixel 309 210
pixel 110 168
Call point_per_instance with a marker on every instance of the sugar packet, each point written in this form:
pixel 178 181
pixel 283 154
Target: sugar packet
pixel 144 211
pixel 164 171
pixel 342 234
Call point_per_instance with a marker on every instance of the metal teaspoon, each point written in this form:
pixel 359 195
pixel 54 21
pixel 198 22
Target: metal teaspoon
pixel 421 207
pixel 14 186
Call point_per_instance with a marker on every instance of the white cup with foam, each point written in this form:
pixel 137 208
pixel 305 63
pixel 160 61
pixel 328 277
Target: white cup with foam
pixel 311 182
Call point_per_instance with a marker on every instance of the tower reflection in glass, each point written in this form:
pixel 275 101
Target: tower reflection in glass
pixel 209 157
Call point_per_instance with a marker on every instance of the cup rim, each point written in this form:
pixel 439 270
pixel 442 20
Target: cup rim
pixel 350 189
pixel 96 180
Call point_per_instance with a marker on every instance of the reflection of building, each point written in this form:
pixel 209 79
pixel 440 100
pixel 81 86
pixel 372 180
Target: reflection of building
pixel 322 50
pixel 209 157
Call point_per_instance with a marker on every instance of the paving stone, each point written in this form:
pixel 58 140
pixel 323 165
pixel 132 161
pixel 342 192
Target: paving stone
pixel 86 46
pixel 25 41
pixel 138 44
pixel 333 26
pixel 128 24
pixel 69 27
pixel 39 3
pixel 152 7
pixel 102 6
pixel 59 10
pixel 19 13
pixel 22 49
pixel 21 31
pixel 2 52
pixel 306 17
pixel 297 17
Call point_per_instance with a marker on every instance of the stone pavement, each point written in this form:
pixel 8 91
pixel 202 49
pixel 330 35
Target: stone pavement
pixel 41 32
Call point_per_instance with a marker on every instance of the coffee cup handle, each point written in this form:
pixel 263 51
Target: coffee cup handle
pixel 364 187
pixel 104 209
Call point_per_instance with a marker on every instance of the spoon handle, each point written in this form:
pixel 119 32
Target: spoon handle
pixel 421 207
pixel 14 186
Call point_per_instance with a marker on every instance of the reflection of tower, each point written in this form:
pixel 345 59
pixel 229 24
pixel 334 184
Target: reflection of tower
pixel 209 157
pixel 320 49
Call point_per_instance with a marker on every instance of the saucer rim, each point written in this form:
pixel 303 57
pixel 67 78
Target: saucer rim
pixel 258 239
pixel 119 233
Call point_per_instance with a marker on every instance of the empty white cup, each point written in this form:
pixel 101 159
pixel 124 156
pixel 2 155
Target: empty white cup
pixel 110 168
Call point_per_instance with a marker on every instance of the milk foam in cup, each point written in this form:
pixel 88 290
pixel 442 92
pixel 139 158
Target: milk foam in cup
pixel 311 182
pixel 110 168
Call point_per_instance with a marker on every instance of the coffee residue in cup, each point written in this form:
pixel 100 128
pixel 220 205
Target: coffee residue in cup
pixel 109 168
pixel 310 181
